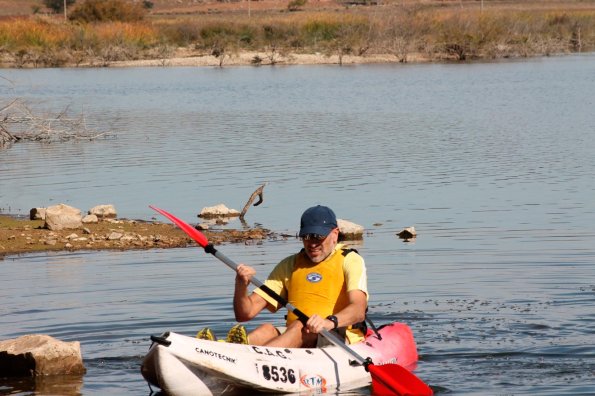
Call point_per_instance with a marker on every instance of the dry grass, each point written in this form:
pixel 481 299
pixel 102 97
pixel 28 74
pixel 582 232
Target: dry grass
pixel 37 32
pixel 44 41
pixel 431 30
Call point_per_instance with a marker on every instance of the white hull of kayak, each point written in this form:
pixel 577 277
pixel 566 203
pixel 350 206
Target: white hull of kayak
pixel 182 365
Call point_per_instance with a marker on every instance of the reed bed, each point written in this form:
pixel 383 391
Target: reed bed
pixel 406 33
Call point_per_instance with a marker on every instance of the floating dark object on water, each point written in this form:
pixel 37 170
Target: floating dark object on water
pixel 407 233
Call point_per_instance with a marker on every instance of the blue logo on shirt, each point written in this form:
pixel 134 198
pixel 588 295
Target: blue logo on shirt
pixel 314 277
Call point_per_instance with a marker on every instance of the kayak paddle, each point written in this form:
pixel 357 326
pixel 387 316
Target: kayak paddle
pixel 387 379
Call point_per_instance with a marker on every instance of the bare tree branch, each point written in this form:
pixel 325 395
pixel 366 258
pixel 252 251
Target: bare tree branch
pixel 18 122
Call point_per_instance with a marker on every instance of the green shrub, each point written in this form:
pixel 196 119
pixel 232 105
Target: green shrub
pixel 57 5
pixel 256 60
pixel 182 34
pixel 319 30
pixel 215 31
pixel 246 35
pixel 108 10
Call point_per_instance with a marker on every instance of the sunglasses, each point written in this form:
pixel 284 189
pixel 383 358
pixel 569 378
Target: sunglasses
pixel 314 237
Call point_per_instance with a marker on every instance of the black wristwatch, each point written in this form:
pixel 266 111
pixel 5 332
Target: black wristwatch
pixel 333 319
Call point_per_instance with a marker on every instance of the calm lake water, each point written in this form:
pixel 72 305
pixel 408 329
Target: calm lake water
pixel 494 164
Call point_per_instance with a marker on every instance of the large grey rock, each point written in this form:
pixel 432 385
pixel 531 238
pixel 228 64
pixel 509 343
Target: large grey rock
pixel 218 211
pixel 37 214
pixel 90 218
pixel 104 211
pixel 40 354
pixel 349 230
pixel 59 217
pixel 114 236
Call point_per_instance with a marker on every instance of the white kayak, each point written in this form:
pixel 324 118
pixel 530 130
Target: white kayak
pixel 182 365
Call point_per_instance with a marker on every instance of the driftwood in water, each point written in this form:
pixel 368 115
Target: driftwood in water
pixel 258 193
pixel 6 138
pixel 19 123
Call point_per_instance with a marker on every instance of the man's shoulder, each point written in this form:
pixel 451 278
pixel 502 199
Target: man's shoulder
pixel 288 261
pixel 346 250
pixel 291 257
pixel 351 256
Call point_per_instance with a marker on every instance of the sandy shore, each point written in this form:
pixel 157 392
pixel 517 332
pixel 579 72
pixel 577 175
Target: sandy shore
pixel 248 58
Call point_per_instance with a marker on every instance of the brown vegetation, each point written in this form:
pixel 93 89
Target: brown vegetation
pixel 399 30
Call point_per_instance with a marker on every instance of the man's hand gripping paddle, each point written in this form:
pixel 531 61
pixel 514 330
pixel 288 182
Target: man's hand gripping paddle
pixel 387 379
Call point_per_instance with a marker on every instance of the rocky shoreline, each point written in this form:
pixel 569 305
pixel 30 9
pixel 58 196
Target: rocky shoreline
pixel 20 235
pixel 61 227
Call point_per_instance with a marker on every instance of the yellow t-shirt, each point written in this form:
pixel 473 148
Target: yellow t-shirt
pixel 353 277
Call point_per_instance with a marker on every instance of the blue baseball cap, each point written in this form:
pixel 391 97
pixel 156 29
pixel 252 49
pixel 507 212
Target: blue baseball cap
pixel 317 220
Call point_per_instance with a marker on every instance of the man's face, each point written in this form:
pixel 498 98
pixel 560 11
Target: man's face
pixel 319 248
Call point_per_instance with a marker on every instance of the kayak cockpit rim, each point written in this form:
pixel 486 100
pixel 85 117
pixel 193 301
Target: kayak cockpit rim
pixel 162 339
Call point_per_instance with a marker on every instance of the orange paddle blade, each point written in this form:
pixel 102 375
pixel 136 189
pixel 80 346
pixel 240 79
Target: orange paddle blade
pixel 392 379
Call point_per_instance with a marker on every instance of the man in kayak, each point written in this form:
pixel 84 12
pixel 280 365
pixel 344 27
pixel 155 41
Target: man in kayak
pixel 324 280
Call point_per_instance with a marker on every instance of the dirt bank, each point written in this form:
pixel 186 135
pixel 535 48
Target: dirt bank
pixel 18 235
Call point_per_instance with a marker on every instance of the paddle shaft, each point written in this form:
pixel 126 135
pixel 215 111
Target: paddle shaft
pixel 302 316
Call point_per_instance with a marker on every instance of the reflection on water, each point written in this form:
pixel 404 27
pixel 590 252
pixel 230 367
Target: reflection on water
pixel 492 163
pixel 64 385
